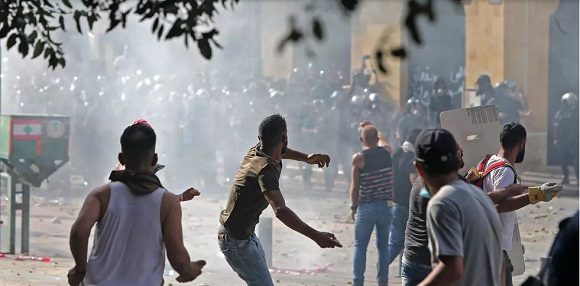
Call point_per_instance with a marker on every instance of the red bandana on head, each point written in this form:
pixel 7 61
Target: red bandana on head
pixel 141 121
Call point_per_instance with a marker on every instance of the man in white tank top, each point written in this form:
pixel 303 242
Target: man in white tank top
pixel 137 220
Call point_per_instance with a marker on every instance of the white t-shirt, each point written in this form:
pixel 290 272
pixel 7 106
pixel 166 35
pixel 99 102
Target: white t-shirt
pixel 498 179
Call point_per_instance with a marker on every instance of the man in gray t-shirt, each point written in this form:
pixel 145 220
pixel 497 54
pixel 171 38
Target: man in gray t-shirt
pixel 462 222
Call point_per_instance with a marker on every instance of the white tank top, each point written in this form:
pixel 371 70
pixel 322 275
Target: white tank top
pixel 128 248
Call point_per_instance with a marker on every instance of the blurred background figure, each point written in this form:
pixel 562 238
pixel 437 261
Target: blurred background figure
pixel 566 135
pixel 440 100
pixel 485 89
pixel 414 117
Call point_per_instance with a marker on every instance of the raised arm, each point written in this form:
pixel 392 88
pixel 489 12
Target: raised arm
pixel 315 159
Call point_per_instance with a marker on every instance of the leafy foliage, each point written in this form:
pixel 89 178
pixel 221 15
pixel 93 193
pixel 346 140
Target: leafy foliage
pixel 415 9
pixel 32 23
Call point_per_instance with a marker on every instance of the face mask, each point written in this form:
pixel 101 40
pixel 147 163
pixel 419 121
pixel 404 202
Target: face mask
pixel 425 193
pixel 521 155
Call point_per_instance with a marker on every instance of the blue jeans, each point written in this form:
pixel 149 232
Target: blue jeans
pixel 247 259
pixel 369 216
pixel 397 233
pixel 413 273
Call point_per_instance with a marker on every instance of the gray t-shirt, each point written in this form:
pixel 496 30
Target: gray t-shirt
pixel 463 221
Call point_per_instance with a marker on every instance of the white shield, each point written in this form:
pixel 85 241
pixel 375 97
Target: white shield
pixel 476 130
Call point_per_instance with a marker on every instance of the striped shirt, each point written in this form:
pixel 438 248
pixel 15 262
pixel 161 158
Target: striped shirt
pixel 376 177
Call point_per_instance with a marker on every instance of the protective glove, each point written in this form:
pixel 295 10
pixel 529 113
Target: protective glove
pixel 544 193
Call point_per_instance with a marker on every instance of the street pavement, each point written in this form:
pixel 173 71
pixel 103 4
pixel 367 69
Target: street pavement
pixel 296 259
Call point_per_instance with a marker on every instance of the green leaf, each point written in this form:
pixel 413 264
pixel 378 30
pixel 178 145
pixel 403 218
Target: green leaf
pixel 204 48
pixel 176 30
pixel 61 22
pixel 399 53
pixel 52 61
pixel 11 41
pixel 91 20
pixel 67 3
pixel 379 55
pixel 47 52
pixel 317 29
pixel 160 33
pixel 38 49
pixel 47 3
pixel 155 24
pixel 77 17
pixel 4 31
pixel 32 37
pixel 23 48
pixel 62 62
pixel 114 23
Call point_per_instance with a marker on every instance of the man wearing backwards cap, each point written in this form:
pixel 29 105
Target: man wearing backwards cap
pixel 462 222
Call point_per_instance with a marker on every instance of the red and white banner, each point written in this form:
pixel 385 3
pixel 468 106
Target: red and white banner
pixel 24 130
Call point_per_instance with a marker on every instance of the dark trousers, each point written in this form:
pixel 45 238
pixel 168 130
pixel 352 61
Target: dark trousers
pixel 509 269
pixel 568 157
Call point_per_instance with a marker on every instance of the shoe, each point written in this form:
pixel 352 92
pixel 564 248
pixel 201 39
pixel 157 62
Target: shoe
pixel 565 181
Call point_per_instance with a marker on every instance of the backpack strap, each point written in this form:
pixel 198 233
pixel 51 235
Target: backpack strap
pixel 482 163
pixel 498 165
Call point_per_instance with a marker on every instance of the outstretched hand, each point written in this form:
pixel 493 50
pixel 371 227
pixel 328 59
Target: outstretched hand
pixel 189 194
pixel 550 190
pixel 327 240
pixel 318 159
pixel 192 273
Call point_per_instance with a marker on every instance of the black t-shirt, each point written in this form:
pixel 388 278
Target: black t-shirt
pixel 402 168
pixel 566 124
pixel 258 174
pixel 416 236
pixel 439 104
pixel 509 106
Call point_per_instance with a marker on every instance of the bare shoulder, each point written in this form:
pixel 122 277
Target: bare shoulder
pixel 169 199
pixel 358 160
pixel 169 202
pixel 102 193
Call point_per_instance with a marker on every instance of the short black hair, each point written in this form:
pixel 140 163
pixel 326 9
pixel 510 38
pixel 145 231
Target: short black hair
pixel 271 130
pixel 512 134
pixel 137 140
